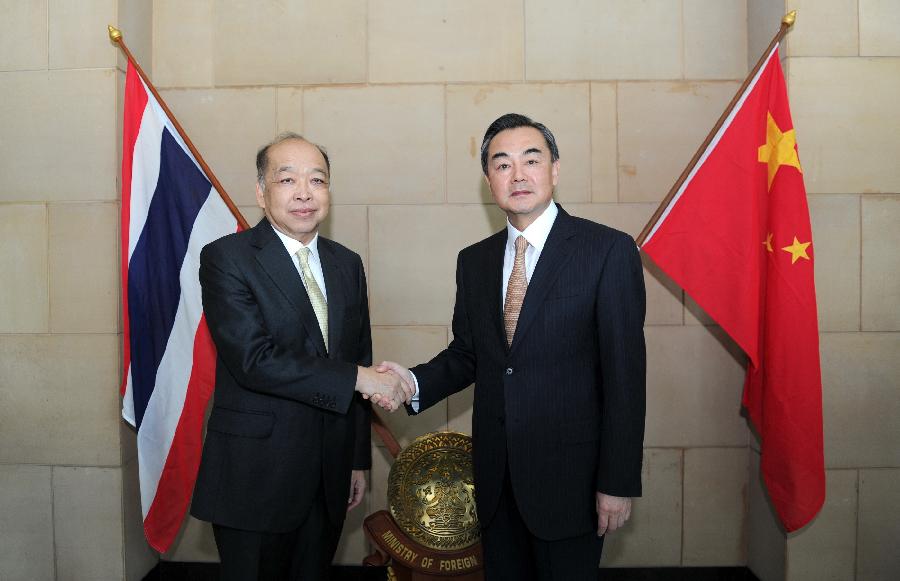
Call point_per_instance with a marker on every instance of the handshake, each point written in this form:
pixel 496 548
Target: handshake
pixel 389 385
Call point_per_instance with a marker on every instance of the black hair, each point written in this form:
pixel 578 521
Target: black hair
pixel 513 121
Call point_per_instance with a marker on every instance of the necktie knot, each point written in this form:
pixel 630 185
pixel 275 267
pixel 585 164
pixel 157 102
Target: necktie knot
pixel 521 244
pixel 303 255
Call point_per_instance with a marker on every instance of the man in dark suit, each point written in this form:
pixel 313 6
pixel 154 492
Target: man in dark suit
pixel 548 324
pixel 288 437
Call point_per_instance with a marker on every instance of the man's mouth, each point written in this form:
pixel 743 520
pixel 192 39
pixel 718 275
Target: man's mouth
pixel 520 193
pixel 303 212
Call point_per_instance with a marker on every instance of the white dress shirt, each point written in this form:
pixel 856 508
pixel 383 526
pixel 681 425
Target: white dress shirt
pixel 315 264
pixel 536 234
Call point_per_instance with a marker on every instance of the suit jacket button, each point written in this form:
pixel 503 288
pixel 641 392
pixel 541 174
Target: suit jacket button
pixel 509 370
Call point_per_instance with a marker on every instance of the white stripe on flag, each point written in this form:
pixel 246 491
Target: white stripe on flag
pixel 712 145
pixel 144 174
pixel 167 402
pixel 128 400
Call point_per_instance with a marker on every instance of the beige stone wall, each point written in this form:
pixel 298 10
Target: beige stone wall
pixel 68 500
pixel 400 91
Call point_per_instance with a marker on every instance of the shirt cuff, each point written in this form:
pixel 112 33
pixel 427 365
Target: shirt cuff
pixel 414 403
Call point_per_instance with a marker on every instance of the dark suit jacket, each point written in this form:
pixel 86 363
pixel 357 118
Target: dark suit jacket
pixel 564 405
pixel 285 417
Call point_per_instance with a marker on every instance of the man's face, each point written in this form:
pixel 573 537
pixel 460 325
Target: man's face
pixel 296 197
pixel 521 175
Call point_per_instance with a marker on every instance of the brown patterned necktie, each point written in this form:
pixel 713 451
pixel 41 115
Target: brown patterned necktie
pixel 515 290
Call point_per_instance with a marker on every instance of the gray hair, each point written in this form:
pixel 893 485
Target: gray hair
pixel 262 156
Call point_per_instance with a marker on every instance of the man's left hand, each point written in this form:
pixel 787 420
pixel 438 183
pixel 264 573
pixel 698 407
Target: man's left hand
pixel 357 488
pixel 612 512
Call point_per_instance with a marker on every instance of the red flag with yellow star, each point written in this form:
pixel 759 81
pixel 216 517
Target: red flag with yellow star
pixel 736 236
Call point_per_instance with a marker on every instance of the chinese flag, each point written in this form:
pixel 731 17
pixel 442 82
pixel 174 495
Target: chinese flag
pixel 736 236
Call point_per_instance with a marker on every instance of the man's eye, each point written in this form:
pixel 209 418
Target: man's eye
pixel 286 181
pixel 532 162
pixel 503 166
pixel 318 181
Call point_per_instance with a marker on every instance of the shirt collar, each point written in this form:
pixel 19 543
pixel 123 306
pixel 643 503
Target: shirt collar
pixel 292 245
pixel 536 233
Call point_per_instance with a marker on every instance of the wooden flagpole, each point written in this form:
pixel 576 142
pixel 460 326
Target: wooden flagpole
pixel 115 35
pixel 786 24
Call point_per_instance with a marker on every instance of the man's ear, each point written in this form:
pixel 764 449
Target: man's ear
pixel 555 172
pixel 260 195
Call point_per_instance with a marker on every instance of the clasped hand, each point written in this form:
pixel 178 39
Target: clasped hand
pixel 384 387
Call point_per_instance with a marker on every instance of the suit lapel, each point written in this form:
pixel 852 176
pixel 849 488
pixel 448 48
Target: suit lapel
pixel 494 266
pixel 273 259
pixel 557 251
pixel 333 287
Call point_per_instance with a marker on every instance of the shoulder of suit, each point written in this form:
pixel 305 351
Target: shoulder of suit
pixel 239 245
pixel 491 242
pixel 228 242
pixel 339 250
pixel 600 232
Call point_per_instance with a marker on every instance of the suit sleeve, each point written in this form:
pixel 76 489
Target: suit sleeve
pixel 248 350
pixel 620 309
pixel 362 450
pixel 453 369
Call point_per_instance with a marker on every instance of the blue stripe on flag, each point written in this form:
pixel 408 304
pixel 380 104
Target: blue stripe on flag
pixel 154 289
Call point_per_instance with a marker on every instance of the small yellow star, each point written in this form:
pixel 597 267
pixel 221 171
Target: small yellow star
pixel 780 149
pixel 797 250
pixel 768 242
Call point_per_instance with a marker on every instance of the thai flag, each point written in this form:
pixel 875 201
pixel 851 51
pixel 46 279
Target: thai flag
pixel 169 212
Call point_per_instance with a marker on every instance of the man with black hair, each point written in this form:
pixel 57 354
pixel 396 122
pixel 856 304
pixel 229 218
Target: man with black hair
pixel 548 324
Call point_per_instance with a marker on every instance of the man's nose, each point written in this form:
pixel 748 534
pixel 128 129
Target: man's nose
pixel 518 174
pixel 302 193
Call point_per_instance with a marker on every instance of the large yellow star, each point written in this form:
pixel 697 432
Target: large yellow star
pixel 797 250
pixel 780 149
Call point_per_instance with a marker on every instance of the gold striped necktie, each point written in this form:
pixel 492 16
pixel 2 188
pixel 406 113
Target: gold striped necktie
pixel 319 304
pixel 515 290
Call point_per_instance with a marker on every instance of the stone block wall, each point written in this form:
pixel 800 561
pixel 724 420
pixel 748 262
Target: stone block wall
pixel 400 92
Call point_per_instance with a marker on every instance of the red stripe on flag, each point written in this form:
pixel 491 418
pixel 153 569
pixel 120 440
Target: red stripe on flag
pixel 135 103
pixel 173 493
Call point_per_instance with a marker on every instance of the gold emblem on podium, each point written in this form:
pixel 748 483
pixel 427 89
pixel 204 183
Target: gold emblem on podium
pixel 431 491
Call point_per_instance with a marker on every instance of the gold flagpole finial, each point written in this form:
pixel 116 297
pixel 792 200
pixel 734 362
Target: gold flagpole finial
pixel 789 18
pixel 114 33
